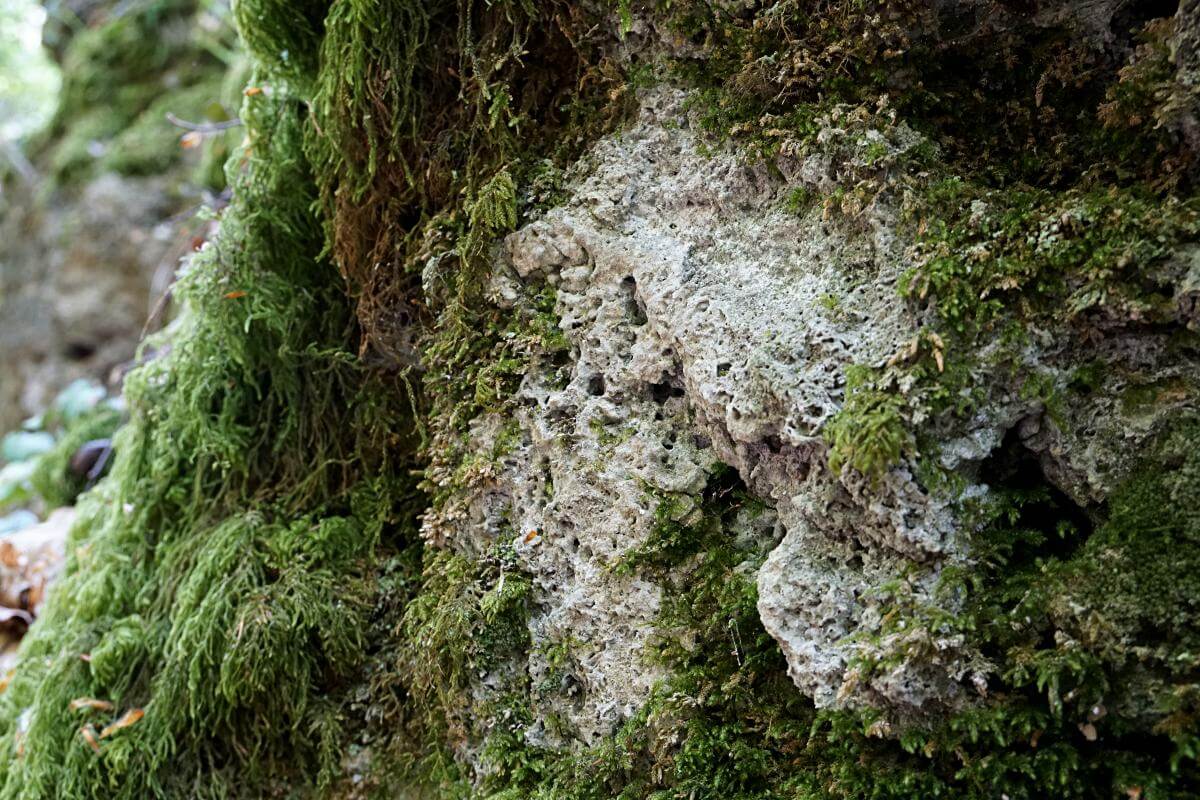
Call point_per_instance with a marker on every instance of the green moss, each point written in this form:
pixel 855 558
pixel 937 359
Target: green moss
pixel 1056 106
pixel 1141 108
pixel 249 575
pixel 726 724
pixel 1147 398
pixel 150 145
pixel 1086 693
pixel 222 573
pixel 1040 254
pixel 439 173
pixel 1059 194
pixel 1087 696
pixel 869 433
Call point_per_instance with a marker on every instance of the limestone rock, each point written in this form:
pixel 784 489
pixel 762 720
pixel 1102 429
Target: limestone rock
pixel 710 324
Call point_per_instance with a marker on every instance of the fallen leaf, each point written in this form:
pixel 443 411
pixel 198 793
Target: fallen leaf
pixel 9 556
pixel 89 735
pixel 90 704
pixel 130 717
pixel 15 619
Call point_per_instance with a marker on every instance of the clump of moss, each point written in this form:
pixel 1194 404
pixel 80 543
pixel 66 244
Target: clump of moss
pixel 869 433
pixel 1086 695
pixel 727 722
pixel 1049 182
pixel 233 549
pixel 221 575
pixel 150 145
pixel 1006 98
pixel 1081 631
pixel 441 620
pixel 1145 108
pixel 423 139
pixel 1091 253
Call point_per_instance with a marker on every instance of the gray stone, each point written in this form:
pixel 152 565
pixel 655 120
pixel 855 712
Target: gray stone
pixel 709 324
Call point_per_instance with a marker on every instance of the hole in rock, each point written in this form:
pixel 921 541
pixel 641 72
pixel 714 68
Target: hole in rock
pixel 79 351
pixel 664 391
pixel 1037 505
pixel 596 385
pixel 722 484
pixel 1134 16
pixel 634 307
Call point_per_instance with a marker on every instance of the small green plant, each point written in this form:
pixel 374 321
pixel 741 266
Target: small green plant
pixel 799 199
pixel 869 434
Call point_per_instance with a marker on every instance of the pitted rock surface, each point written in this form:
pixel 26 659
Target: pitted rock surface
pixel 710 324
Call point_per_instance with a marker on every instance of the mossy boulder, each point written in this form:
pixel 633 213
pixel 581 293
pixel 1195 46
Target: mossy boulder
pixel 639 400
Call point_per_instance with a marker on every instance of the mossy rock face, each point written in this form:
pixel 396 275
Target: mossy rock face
pixel 656 401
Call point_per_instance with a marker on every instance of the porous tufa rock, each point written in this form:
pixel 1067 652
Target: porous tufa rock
pixel 697 311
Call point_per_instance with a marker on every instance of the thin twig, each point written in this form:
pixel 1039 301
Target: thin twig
pixel 203 127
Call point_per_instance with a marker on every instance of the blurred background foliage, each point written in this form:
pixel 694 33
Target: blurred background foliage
pixel 29 79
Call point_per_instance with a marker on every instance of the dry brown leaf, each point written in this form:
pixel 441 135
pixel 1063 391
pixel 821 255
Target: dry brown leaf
pixel 130 717
pixel 90 703
pixel 89 736
pixel 9 556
